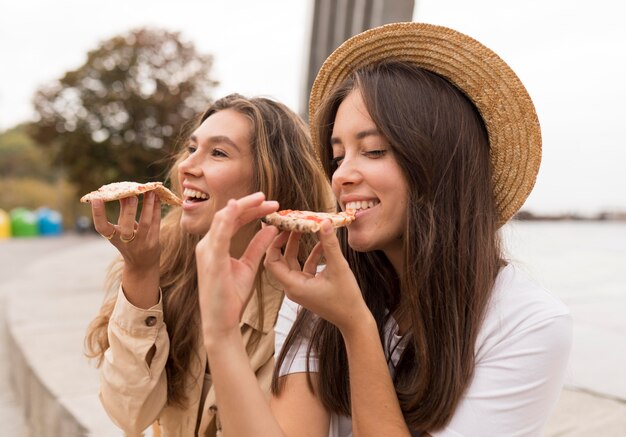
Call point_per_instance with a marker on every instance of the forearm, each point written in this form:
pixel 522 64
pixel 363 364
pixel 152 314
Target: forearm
pixel 375 407
pixel 243 407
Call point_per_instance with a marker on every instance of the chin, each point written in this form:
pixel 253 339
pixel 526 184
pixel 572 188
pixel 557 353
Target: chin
pixel 192 227
pixel 360 244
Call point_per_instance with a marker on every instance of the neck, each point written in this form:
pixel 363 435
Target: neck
pixel 396 258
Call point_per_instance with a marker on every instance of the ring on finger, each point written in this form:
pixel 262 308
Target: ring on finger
pixel 108 237
pixel 129 239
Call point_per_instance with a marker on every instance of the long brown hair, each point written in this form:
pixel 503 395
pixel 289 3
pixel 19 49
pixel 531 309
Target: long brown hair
pixel 451 246
pixel 285 169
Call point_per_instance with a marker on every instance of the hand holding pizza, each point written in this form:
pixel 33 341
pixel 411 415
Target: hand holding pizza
pixel 225 283
pixel 332 294
pixel 137 242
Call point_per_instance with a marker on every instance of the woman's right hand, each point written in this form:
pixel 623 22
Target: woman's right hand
pixel 138 243
pixel 333 293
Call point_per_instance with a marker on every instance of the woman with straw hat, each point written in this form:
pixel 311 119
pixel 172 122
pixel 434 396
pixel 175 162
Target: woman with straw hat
pixel 416 324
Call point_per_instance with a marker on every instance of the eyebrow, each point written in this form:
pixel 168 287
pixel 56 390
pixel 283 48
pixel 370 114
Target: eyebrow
pixel 217 139
pixel 359 136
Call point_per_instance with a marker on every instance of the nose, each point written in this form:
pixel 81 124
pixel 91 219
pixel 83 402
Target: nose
pixel 347 173
pixel 188 166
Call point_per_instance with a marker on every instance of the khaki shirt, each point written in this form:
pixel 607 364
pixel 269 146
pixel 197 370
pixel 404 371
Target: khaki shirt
pixel 134 394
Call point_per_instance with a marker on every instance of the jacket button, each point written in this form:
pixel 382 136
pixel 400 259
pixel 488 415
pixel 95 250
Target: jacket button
pixel 150 321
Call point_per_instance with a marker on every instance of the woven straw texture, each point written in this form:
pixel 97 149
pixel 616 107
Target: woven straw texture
pixel 497 92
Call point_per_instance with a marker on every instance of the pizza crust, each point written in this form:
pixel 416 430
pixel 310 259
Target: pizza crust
pixel 307 221
pixel 121 190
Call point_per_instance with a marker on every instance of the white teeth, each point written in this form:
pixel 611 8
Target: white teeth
pixel 188 192
pixel 361 204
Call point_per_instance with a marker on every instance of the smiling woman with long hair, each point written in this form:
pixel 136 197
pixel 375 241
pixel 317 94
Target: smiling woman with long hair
pixel 148 335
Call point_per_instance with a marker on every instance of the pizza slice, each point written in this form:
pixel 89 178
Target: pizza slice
pixel 307 221
pixel 121 190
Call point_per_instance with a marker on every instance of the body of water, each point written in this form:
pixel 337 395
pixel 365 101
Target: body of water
pixel 584 264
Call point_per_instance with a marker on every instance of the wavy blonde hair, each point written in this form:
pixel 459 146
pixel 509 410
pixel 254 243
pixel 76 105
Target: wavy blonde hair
pixel 286 169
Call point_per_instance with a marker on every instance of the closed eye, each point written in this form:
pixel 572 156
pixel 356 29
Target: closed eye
pixel 218 153
pixel 375 153
pixel 336 162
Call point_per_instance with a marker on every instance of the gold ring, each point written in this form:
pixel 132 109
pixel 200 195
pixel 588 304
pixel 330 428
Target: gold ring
pixel 128 240
pixel 108 237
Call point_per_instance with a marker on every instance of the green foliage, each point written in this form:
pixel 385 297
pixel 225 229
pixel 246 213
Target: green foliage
pixel 21 157
pixel 117 117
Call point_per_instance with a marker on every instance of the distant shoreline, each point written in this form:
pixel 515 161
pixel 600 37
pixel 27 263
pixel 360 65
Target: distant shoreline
pixel 600 217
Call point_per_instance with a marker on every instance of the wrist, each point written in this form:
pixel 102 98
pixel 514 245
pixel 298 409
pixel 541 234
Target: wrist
pixel 358 323
pixel 215 340
pixel 141 286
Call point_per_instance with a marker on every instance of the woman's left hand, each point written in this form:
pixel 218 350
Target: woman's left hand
pixel 332 294
pixel 225 284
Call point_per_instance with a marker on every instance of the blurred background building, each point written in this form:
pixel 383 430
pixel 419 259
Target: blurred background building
pixel 333 22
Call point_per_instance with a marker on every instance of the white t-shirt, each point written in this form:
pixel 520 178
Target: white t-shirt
pixel 521 355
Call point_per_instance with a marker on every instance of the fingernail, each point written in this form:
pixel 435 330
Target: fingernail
pixel 326 227
pixel 97 203
pixel 132 201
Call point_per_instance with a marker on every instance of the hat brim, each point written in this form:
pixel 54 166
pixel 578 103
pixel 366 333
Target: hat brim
pixel 496 91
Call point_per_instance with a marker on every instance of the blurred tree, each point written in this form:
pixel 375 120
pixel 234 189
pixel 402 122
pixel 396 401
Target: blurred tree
pixel 21 157
pixel 118 116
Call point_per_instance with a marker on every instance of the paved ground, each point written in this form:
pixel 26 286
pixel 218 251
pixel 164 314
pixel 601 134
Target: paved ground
pixel 55 289
pixel 14 257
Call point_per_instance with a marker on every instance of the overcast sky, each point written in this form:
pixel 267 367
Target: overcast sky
pixel 570 54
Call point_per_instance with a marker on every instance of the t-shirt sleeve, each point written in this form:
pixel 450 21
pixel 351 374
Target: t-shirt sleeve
pixel 296 359
pixel 516 384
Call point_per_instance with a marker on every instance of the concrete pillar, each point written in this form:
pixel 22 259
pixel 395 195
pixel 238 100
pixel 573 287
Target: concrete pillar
pixel 334 21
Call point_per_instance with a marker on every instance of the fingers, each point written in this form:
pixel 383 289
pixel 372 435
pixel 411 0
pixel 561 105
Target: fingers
pixel 273 253
pixel 277 265
pixel 330 244
pixel 314 259
pixel 254 206
pixel 292 249
pixel 128 212
pixel 257 247
pixel 238 213
pixel 147 211
pixel 100 221
pixel 255 213
pixel 150 218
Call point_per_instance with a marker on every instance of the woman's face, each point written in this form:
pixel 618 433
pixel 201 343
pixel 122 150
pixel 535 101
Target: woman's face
pixel 368 179
pixel 219 167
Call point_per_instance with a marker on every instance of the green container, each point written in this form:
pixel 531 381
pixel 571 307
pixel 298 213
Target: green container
pixel 23 223
pixel 5 224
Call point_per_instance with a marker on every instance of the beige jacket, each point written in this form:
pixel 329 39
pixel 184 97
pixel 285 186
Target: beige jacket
pixel 135 394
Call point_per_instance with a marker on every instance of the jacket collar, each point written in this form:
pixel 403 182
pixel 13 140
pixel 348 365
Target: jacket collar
pixel 272 299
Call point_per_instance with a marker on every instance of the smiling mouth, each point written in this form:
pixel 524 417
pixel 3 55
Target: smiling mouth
pixel 361 205
pixel 193 196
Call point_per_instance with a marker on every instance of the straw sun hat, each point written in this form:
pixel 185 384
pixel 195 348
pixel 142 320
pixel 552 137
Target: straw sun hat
pixel 497 93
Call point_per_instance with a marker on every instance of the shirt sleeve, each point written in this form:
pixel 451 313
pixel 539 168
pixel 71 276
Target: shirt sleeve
pixel 516 384
pixel 132 392
pixel 296 359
